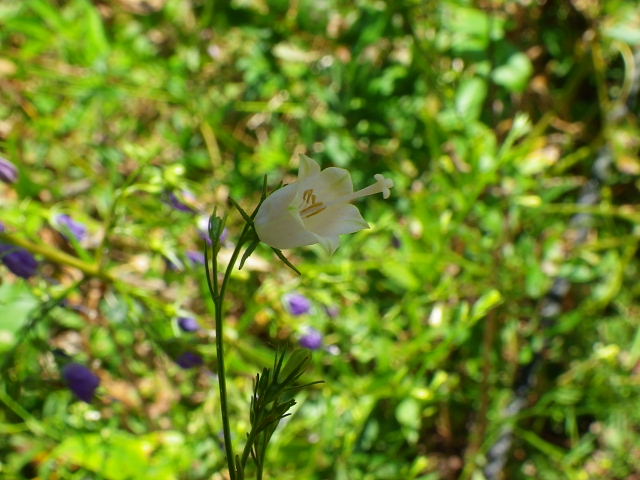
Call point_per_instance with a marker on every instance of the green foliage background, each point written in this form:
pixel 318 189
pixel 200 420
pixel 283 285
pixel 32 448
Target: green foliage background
pixel 488 115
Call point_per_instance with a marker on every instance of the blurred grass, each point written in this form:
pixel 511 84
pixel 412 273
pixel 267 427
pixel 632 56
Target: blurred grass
pixel 489 116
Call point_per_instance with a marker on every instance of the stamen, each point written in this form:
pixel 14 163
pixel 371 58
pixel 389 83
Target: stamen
pixel 311 205
pixel 311 208
pixel 316 212
pixel 308 196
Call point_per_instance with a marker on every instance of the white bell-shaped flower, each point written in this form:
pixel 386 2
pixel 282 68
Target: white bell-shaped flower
pixel 314 209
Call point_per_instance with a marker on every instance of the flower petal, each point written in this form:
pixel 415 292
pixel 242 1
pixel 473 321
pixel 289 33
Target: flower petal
pixel 278 225
pixel 330 243
pixel 336 220
pixel 332 183
pixel 308 167
pixel 329 185
pixel 286 231
pixel 278 201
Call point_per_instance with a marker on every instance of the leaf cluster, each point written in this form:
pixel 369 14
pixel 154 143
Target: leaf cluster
pixel 271 401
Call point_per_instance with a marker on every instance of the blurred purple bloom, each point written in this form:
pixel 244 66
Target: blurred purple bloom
pixel 189 360
pixel 176 202
pixel 8 171
pixel 312 339
pixel 196 257
pixel 81 381
pixel 20 261
pixel 205 236
pixel 66 224
pixel 188 324
pixel 395 241
pixel 298 304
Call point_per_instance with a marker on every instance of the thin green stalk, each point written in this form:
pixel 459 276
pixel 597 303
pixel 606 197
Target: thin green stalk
pixel 222 384
pixel 247 450
pixel 91 269
pixel 55 255
pixel 218 297
pixel 236 472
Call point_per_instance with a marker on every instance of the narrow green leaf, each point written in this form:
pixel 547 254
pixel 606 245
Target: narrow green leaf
pixel 294 366
pixel 247 218
pixel 285 261
pixel 249 250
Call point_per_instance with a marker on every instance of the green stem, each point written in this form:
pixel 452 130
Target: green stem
pixel 236 471
pixel 247 450
pixel 91 269
pixel 55 255
pixel 222 381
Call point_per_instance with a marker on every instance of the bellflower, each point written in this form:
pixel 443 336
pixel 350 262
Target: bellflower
pixel 68 225
pixel 298 304
pixel 20 261
pixel 196 257
pixel 81 381
pixel 8 171
pixel 312 339
pixel 314 209
pixel 188 324
pixel 189 360
pixel 182 203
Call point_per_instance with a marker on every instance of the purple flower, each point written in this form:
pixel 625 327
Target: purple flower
pixel 196 257
pixel 188 324
pixel 312 339
pixel 189 360
pixel 66 224
pixel 81 381
pixel 8 171
pixel 20 261
pixel 298 304
pixel 177 202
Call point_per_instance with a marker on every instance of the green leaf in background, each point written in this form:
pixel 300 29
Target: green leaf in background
pixel 514 75
pixel 16 303
pixel 485 304
pixel 470 97
pixel 117 455
pixel 470 28
pixel 408 415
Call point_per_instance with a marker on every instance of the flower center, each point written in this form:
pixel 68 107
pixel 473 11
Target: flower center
pixel 310 205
